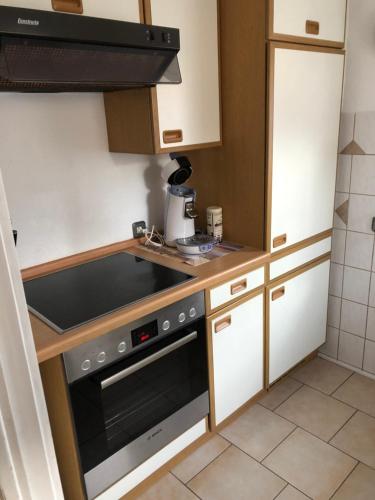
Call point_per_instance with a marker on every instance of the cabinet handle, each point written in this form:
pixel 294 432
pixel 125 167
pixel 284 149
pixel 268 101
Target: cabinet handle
pixel 312 27
pixel 223 323
pixel 279 240
pixel 72 6
pixel 238 287
pixel 277 294
pixel 170 136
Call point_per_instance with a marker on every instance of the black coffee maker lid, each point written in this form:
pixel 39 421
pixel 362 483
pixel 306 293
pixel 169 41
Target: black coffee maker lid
pixel 183 173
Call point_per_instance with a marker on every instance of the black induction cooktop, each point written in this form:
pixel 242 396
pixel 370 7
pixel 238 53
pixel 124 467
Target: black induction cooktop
pixel 74 296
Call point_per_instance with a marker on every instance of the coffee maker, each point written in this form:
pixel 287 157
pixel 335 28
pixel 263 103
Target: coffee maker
pixel 180 212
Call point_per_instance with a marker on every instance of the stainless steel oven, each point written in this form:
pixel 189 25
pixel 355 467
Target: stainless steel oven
pixel 136 389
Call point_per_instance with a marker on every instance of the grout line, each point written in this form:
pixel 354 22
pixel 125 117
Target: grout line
pixel 281 442
pixel 282 402
pixel 186 486
pixel 277 496
pixel 354 335
pixel 340 385
pixel 343 481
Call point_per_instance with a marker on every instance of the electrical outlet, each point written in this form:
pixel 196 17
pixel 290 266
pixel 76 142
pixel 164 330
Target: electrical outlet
pixel 139 229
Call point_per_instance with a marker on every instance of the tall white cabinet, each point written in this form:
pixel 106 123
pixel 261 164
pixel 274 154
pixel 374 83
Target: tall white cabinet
pixel 306 91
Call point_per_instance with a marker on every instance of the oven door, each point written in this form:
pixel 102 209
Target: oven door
pixel 128 411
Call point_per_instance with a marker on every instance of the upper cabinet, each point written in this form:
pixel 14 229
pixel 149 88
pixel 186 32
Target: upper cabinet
pixel 173 117
pixel 305 90
pixel 130 10
pixel 320 22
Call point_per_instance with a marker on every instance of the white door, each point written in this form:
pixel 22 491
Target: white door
pixel 191 108
pixel 319 19
pixel 304 128
pixel 297 319
pixel 237 353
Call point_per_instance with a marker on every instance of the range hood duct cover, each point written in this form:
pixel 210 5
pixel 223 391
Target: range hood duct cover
pixel 64 52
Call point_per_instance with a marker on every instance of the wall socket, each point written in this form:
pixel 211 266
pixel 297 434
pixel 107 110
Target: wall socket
pixel 139 229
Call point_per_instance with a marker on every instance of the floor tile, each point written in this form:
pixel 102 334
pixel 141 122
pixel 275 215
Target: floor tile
pixel 315 412
pixel 360 485
pixel 291 493
pixel 279 393
pixel 235 475
pixel 314 467
pixel 358 391
pixel 322 375
pixel 168 487
pixel 257 431
pixel 357 438
pixel 200 458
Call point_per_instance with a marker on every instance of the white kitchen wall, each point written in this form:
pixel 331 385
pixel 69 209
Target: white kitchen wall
pixel 351 310
pixel 66 192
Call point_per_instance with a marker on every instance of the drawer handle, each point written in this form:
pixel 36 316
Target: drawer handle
pixel 72 6
pixel 238 287
pixel 223 324
pixel 171 136
pixel 277 294
pixel 279 240
pixel 312 27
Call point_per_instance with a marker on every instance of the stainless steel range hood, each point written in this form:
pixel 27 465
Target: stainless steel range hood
pixel 44 51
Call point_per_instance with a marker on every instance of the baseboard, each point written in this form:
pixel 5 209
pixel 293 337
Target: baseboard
pixel 349 367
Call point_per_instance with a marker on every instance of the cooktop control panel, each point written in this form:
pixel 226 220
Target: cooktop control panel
pixel 123 341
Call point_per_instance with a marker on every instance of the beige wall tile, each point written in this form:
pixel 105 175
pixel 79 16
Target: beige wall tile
pixel 363 175
pixel 329 348
pixel 338 246
pixel 334 311
pixel 372 291
pixel 370 331
pixel 336 279
pixel 257 431
pixel 359 248
pixel 356 285
pixel 351 349
pixel 361 212
pixel 344 167
pixel 365 131
pixel 200 458
pixel 315 412
pixel 340 199
pixel 357 438
pixel 314 467
pixel 369 358
pixel 234 475
pixel 353 318
pixel 346 130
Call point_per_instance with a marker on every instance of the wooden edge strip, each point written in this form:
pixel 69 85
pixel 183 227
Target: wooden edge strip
pixel 298 270
pixel 275 44
pixel 301 245
pixel 308 41
pixel 228 306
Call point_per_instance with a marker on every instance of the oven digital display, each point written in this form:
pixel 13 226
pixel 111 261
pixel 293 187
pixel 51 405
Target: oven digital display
pixel 144 333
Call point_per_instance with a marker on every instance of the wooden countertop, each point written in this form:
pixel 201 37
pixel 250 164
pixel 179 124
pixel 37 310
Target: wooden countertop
pixel 49 344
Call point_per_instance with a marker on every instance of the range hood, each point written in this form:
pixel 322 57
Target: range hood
pixel 43 51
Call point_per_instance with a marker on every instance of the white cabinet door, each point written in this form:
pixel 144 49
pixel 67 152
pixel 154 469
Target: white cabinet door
pixel 297 319
pixel 193 106
pixel 306 87
pixel 110 9
pixel 317 19
pixel 237 354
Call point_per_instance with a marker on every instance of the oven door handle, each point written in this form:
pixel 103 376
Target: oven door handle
pixel 147 361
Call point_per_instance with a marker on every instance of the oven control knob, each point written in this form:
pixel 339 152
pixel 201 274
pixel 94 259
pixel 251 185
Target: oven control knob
pixel 86 365
pixel 192 312
pixel 100 358
pixel 166 325
pixel 121 347
pixel 181 317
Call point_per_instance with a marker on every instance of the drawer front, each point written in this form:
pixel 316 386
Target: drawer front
pixel 299 258
pixel 315 19
pixel 236 288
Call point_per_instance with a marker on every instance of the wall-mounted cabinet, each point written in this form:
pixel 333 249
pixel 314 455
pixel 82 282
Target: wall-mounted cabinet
pixel 318 22
pixel 173 117
pixel 305 86
pixel 110 9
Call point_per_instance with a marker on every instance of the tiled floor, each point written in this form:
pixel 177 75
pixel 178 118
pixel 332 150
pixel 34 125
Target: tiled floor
pixel 312 436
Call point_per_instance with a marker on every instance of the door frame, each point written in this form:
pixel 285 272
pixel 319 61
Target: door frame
pixel 28 467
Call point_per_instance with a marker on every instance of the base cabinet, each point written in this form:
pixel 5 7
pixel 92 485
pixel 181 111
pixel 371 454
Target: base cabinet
pixel 237 356
pixel 297 318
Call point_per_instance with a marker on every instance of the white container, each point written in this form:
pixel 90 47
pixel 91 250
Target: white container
pixel 215 222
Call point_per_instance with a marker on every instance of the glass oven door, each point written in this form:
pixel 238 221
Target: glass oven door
pixel 116 407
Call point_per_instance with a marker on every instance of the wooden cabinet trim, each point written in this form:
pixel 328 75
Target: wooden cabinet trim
pixel 228 307
pixel 271 35
pixel 300 245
